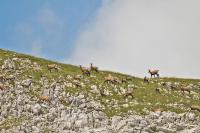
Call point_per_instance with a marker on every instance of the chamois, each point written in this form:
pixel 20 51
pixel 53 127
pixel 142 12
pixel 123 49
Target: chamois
pixel 195 107
pixel 85 70
pixel 185 88
pixel 146 80
pixel 154 73
pixel 94 68
pixel 109 78
pixel 116 80
pixel 52 66
pixel 44 98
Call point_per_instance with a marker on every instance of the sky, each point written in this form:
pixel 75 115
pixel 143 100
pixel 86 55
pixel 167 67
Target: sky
pixel 44 28
pixel 128 36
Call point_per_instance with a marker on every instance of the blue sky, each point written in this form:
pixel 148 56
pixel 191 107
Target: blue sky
pixel 46 28
pixel 128 36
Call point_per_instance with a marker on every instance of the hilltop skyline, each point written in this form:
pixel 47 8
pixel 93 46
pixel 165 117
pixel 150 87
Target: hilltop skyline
pixel 128 36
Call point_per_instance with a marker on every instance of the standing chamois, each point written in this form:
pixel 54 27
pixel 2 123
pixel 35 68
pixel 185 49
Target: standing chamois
pixel 146 80
pixel 154 73
pixel 94 68
pixel 185 89
pixel 85 70
pixel 52 67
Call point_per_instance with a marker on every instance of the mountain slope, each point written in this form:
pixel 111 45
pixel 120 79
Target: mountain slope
pixel 30 94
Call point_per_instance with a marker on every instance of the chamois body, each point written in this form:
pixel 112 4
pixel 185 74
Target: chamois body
pixel 94 68
pixel 109 79
pixel 52 67
pixel 154 73
pixel 44 98
pixel 117 80
pixel 195 107
pixel 85 70
pixel 185 89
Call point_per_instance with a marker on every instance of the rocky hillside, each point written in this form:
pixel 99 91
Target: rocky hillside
pixel 34 99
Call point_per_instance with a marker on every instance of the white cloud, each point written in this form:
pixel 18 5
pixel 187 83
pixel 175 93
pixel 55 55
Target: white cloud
pixel 131 36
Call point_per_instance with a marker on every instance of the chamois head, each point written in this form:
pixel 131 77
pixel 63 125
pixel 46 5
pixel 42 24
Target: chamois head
pixel 149 71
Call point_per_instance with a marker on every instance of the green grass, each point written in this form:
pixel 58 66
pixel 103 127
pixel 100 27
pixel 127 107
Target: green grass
pixel 144 94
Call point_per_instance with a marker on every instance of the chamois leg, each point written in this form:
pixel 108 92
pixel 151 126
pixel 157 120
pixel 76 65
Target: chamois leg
pixel 88 73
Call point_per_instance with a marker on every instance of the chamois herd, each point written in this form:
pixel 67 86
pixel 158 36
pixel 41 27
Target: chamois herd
pixel 115 80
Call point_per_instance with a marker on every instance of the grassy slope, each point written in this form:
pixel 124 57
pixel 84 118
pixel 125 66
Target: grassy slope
pixel 145 96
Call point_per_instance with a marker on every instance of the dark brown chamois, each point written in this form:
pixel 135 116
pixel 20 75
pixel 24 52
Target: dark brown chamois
pixel 94 68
